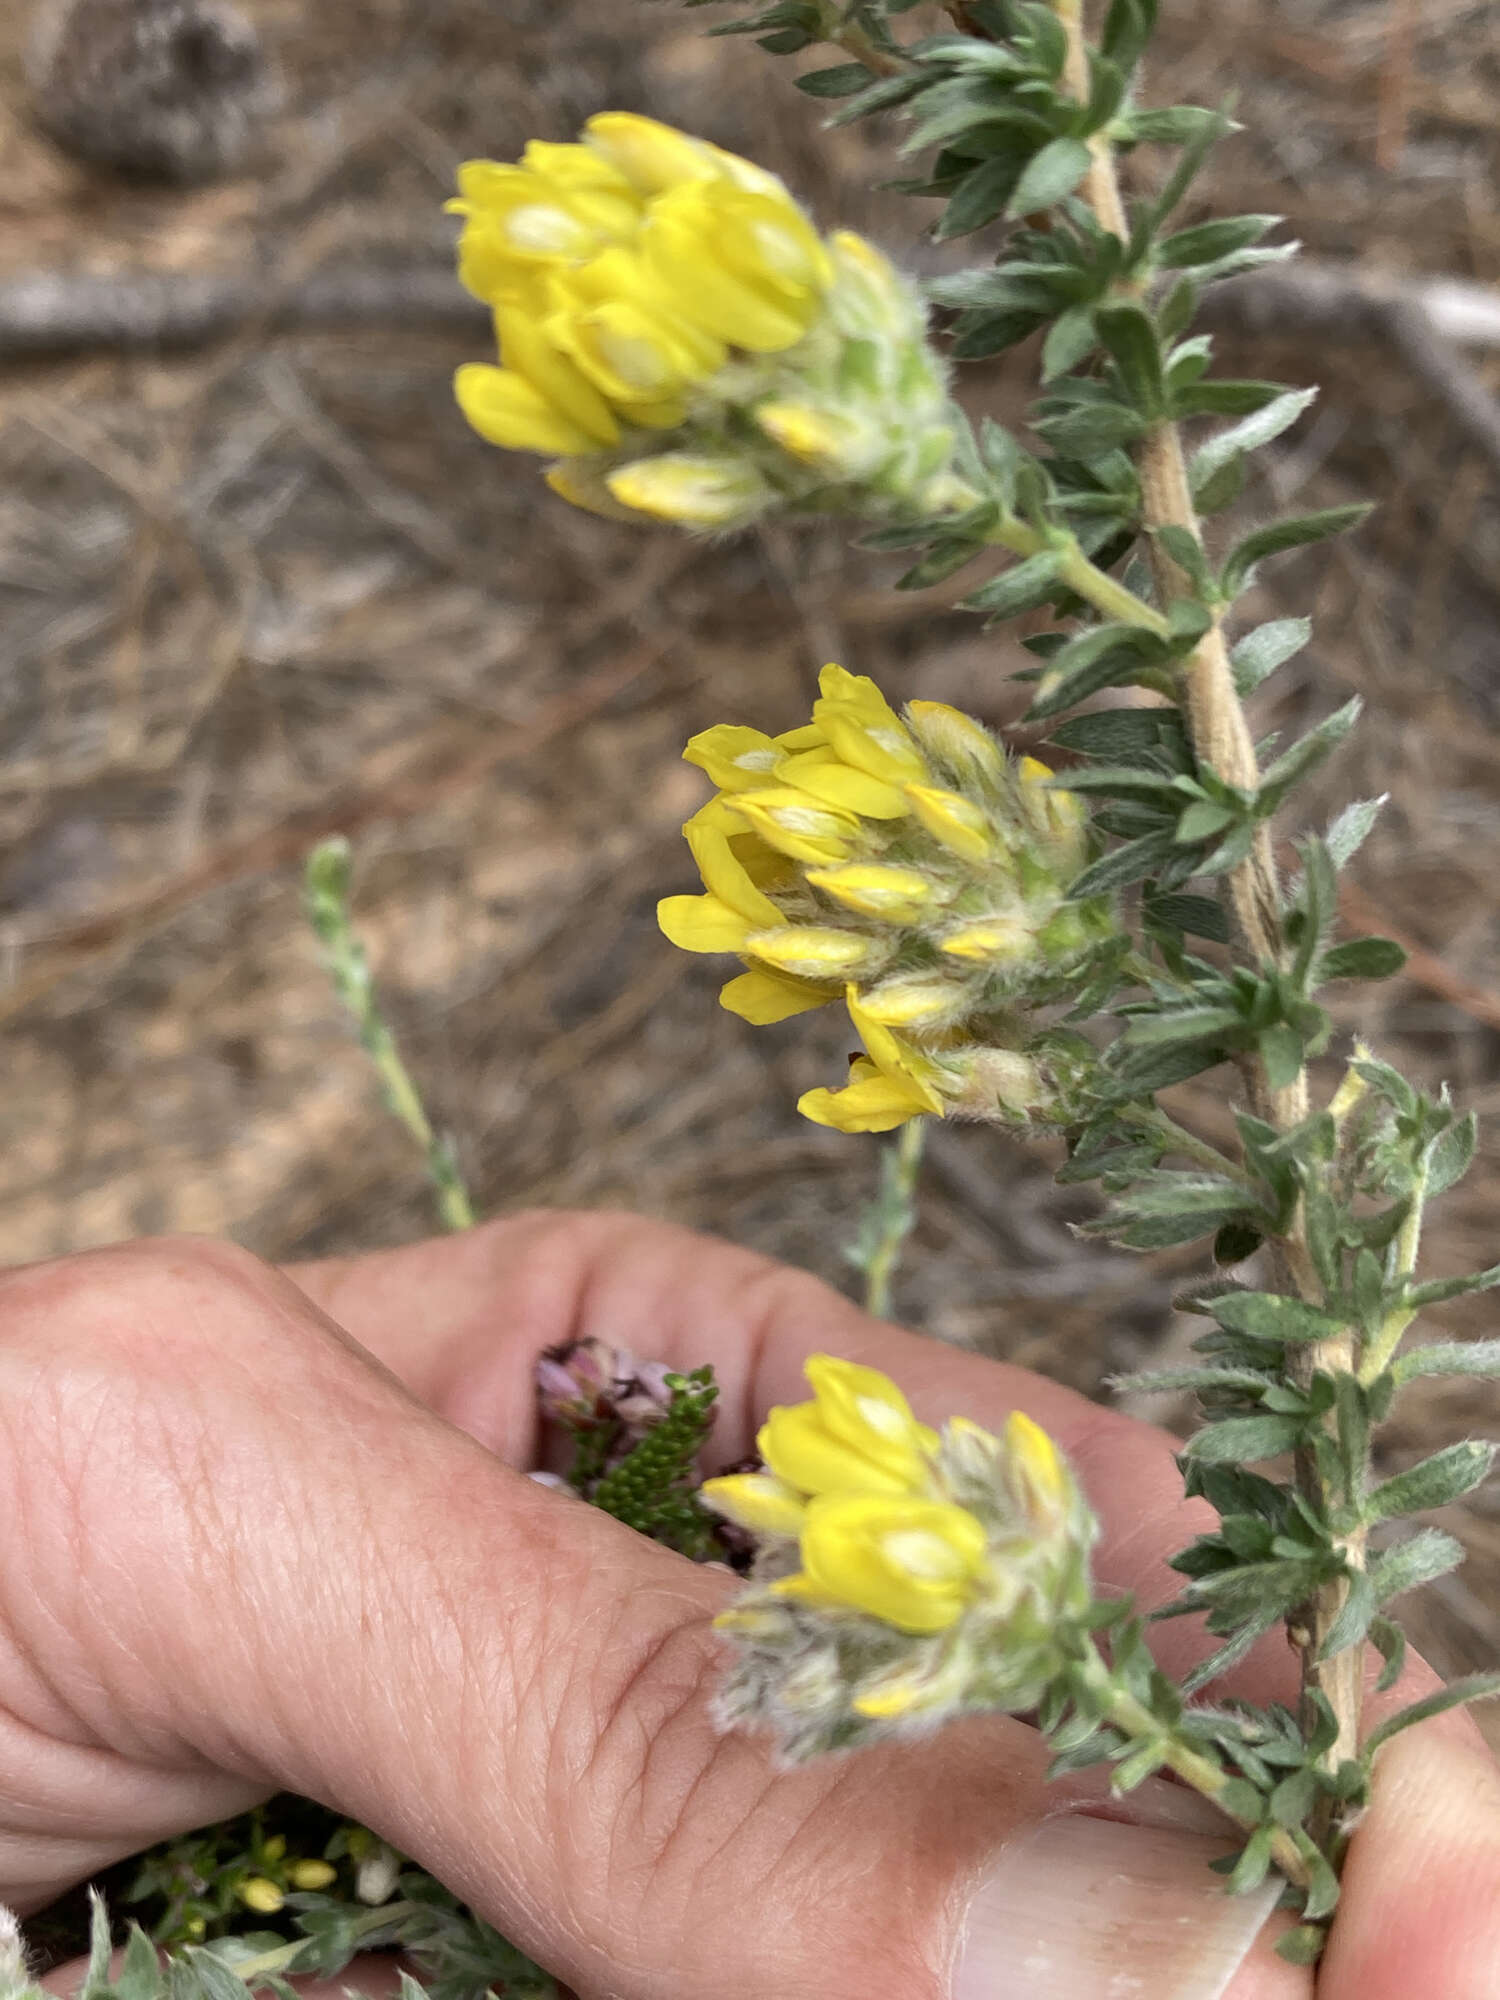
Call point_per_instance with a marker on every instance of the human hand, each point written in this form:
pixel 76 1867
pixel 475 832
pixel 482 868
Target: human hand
pixel 263 1534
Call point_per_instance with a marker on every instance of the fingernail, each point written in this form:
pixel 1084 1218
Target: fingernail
pixel 1094 1909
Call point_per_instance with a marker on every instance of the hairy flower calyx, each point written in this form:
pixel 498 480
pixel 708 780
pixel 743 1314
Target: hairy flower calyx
pixel 676 334
pixel 903 1574
pixel 904 863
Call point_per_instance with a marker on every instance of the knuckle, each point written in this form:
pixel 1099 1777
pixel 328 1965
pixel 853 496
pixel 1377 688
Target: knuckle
pixel 128 1302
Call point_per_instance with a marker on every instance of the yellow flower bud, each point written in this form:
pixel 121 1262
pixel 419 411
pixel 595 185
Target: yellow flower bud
pixel 758 1501
pixel 798 825
pixel 691 489
pixel 811 951
pixel 993 941
pixel 822 438
pixel 259 1893
pixel 745 266
pixel 1039 1478
pixel 916 1002
pixel 312 1874
pixel 1000 1083
pixel 956 741
pixel 507 409
pixel 912 1563
pixel 650 156
pixel 272 1850
pixel 877 889
pixel 961 826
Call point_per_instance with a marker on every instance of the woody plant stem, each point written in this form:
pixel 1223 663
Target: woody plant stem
pixel 1221 740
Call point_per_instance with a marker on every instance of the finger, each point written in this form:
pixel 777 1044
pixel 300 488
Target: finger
pixel 275 1563
pixel 1420 1911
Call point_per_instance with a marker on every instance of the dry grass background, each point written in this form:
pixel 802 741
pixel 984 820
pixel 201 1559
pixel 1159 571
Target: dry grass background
pixel 275 586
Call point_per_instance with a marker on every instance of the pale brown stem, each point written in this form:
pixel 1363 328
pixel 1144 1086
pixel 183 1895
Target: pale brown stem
pixel 1222 741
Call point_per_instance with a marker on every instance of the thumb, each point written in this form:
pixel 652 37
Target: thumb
pixel 282 1567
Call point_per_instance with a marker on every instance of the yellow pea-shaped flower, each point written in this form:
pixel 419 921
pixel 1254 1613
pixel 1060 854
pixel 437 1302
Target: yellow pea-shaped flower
pixel 912 1563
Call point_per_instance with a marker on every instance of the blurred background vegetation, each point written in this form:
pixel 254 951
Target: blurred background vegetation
pixel 266 586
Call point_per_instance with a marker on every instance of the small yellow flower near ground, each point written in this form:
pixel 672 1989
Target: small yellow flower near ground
pixel 260 1893
pixel 312 1874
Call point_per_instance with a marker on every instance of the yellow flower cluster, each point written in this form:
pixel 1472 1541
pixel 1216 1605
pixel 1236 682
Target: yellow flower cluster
pixel 906 866
pixel 621 272
pixel 861 1487
pixel 647 287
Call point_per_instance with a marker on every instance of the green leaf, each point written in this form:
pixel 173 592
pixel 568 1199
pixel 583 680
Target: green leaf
pixel 1281 1054
pixel 1253 1863
pixel 1452 1154
pixel 1363 958
pixel 1449 1357
pixel 1242 1440
pixel 1089 431
pixel 1071 337
pixel 843 80
pixel 1183 1024
pixel 1099 657
pixel 1186 551
pixel 1020 588
pixel 1273 1316
pixel 1199 915
pixel 881 96
pixel 1302 1945
pixel 1293 1799
pixel 1177 124
pixel 1473 1687
pixel 1295 532
pixel 1437 1291
pixel 1131 863
pixel 979 335
pixel 1349 831
pixel 1304 756
pixel 1120 781
pixel 1248 435
pixel 979 197
pixel 1207 242
pixel 1127 29
pixel 1050 177
pixel 1411 1563
pixel 1436 1482
pixel 1131 339
pixel 1223 398
pixel 1120 733
pixel 942 560
pixel 1353 1620
pixel 1202 820
pixel 1389 1641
